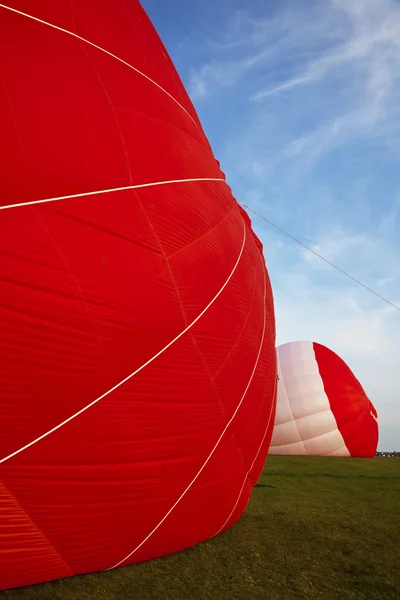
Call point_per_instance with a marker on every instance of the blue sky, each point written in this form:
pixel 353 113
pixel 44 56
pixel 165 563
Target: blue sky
pixel 300 100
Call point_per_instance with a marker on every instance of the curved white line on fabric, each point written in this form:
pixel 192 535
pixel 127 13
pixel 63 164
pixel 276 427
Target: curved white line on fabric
pixel 41 437
pixel 256 456
pixel 373 416
pixel 245 479
pixel 121 60
pixel 109 190
pixel 211 453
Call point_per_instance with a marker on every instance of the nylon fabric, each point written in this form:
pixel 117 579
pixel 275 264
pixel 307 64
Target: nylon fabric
pixel 354 412
pixel 137 329
pixel 322 408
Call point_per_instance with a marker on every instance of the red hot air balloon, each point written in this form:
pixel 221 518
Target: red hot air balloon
pixel 137 360
pixel 321 407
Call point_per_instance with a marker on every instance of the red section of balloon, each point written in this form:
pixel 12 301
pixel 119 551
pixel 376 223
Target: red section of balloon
pixel 355 415
pixel 322 408
pixel 137 360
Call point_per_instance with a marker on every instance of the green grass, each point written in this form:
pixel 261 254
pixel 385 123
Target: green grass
pixel 314 528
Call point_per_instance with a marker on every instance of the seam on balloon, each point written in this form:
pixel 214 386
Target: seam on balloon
pixel 39 529
pixel 175 285
pixel 110 190
pixel 243 327
pixel 247 475
pixel 211 453
pixel 314 437
pixel 328 400
pixel 350 419
pixel 212 379
pixel 119 384
pixel 262 441
pixel 75 281
pixel 306 416
pixel 334 452
pixel 228 214
pixel 166 123
pixel 82 39
pixel 113 110
pixel 282 381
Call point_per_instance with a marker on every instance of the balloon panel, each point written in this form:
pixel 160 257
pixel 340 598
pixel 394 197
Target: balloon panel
pixel 137 346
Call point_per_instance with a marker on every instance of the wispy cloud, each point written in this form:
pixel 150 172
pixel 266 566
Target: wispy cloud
pixel 301 101
pixel 287 85
pixel 215 74
pixel 247 44
pixel 370 46
pixel 352 47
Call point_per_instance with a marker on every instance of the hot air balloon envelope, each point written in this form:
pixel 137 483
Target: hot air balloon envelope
pixel 321 407
pixel 137 360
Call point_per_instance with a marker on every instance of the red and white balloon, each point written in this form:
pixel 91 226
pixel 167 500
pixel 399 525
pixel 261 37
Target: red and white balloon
pixel 321 408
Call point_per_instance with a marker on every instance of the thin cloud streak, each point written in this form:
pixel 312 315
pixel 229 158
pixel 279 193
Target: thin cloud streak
pixel 302 107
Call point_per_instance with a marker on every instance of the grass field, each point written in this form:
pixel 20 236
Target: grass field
pixel 314 528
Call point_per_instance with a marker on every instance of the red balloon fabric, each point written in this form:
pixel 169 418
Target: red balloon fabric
pixel 322 408
pixel 137 359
